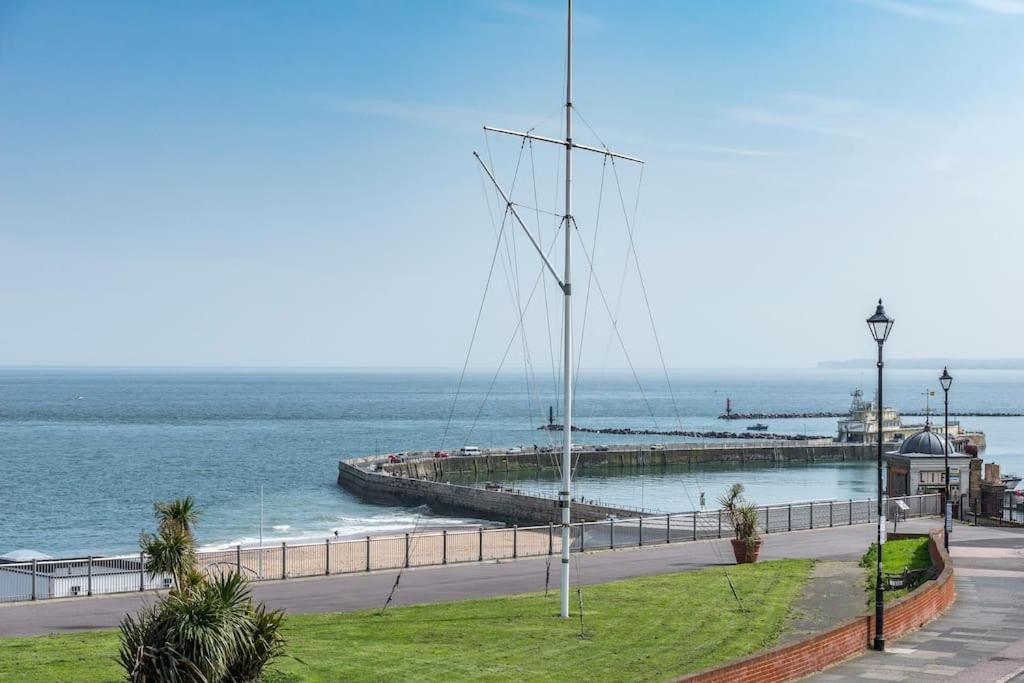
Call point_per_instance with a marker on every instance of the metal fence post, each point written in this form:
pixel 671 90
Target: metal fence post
pixel 284 559
pixel 407 550
pixel 368 539
pixel 327 557
pixel 789 517
pixel 719 522
pixel 611 534
pixel 641 531
pixel 668 528
pixel 831 504
pixel 767 519
pixel 88 585
pixel 33 579
pixel 851 512
pixel 812 515
pixel 481 544
pixel 551 538
pixel 444 546
pixel 695 525
pixel 238 558
pixel 142 572
pixel 515 541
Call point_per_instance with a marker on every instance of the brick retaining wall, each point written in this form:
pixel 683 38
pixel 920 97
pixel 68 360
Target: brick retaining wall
pixel 794 660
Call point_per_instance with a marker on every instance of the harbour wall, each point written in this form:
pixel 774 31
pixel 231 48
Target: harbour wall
pixel 420 478
pixel 425 466
pixel 441 497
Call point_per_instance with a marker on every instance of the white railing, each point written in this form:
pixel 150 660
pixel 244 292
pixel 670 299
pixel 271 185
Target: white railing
pixel 82 577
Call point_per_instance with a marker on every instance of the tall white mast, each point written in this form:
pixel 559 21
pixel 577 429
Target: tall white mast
pixel 564 283
pixel 564 494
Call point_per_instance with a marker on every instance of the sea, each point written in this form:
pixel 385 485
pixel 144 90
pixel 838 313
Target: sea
pixel 84 453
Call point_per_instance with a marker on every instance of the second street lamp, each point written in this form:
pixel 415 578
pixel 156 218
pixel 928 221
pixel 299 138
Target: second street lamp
pixel 880 325
pixel 946 380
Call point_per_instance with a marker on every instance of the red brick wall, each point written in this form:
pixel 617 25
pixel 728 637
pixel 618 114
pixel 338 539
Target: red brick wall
pixel 816 652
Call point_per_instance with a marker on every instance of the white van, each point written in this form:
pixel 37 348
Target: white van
pixel 469 450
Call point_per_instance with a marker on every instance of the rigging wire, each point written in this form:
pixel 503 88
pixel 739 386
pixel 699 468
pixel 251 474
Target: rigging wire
pixel 615 327
pixel 508 346
pixel 510 266
pixel 476 328
pixel 590 280
pixel 597 282
pixel 647 301
pixel 547 309
pixel 512 254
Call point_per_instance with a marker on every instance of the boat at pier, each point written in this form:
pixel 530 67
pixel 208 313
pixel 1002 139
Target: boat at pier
pixel 758 427
pixel 861 426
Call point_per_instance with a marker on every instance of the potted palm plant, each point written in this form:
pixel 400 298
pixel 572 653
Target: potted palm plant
pixel 746 545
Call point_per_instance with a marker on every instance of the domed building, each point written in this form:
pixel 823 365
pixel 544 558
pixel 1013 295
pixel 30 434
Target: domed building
pixel 927 442
pixel 918 467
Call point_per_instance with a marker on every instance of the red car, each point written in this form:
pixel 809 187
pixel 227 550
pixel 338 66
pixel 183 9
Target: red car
pixel 394 458
pixel 441 454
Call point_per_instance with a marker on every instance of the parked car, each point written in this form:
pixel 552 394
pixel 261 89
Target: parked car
pixel 577 447
pixel 546 449
pixel 441 454
pixel 469 450
pixel 515 450
pixel 600 449
pixel 658 447
pixel 395 458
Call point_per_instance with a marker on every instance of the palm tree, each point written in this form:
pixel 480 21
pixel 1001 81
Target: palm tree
pixel 731 500
pixel 177 516
pixel 206 629
pixel 168 553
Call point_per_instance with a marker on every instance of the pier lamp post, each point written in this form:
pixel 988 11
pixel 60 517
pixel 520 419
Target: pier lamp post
pixel 880 325
pixel 946 380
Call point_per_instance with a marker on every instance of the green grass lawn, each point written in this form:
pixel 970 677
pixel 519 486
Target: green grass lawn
pixel 639 629
pixel 908 553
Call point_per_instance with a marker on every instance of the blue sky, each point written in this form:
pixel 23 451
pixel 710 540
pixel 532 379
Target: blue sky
pixel 292 183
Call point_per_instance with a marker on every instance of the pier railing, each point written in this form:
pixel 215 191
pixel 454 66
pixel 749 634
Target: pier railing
pixel 81 577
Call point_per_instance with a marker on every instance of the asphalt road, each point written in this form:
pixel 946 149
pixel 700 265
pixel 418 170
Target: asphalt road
pixel 455 582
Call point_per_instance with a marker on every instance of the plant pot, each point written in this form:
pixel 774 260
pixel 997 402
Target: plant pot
pixel 746 554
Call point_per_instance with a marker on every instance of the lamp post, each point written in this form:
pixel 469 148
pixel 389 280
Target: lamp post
pixel 946 380
pixel 880 325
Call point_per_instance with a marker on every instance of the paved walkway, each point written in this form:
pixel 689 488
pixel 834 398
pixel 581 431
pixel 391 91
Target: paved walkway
pixel 456 582
pixel 981 638
pixel 834 595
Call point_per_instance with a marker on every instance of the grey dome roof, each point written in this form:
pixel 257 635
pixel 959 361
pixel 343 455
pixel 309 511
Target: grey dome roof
pixel 925 442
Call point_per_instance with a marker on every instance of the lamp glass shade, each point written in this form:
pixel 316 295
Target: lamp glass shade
pixel 946 379
pixel 880 324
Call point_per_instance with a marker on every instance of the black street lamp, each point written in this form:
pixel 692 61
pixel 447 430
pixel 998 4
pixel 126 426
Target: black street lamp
pixel 880 325
pixel 946 380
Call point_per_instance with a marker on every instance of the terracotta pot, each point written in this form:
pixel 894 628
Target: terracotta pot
pixel 745 555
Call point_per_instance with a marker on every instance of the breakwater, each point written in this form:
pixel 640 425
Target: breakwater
pixel 780 416
pixel 363 478
pixel 497 461
pixel 630 431
pixel 817 414
pixel 420 478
